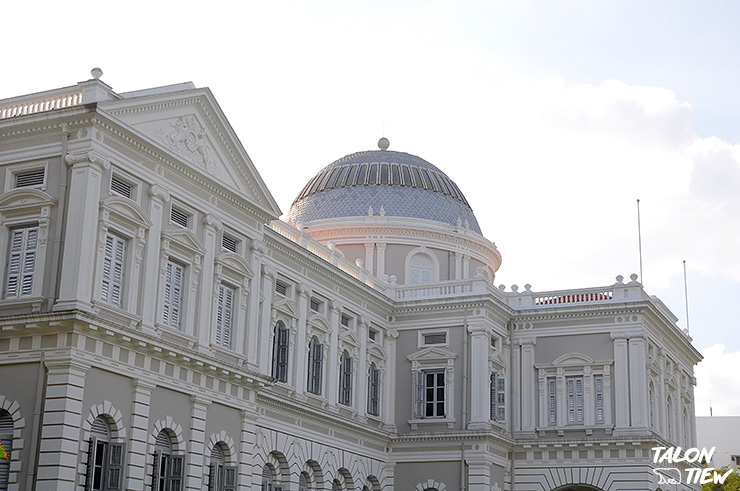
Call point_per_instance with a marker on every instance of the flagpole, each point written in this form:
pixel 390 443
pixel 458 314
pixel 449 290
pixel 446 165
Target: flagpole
pixel 686 295
pixel 639 241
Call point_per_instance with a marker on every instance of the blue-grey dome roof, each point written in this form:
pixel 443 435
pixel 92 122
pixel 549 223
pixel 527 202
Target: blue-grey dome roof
pixel 403 184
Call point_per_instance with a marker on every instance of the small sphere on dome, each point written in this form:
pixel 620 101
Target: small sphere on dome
pixel 96 73
pixel 383 143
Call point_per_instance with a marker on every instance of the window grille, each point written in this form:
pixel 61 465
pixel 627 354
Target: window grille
pixel 119 186
pixel 29 178
pixel 281 288
pixel 574 387
pixel 315 305
pixel 436 338
pixel 599 397
pixel 21 264
pixel 551 402
pixel 345 320
pixel 179 217
pixel 229 243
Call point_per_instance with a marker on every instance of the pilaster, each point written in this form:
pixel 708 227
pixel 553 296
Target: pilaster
pixel 304 295
pixel 196 443
pixel 247 443
pixel 157 198
pixel 265 328
pixel 369 256
pixel 78 264
pixel 333 366
pixel 381 259
pixel 211 225
pixel 621 382
pixel 479 378
pixel 528 385
pixel 255 293
pixel 638 383
pixel 136 474
pixel 59 450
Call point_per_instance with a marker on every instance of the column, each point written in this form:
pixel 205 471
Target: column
pixel 516 400
pixel 245 449
pixel 136 460
pixel 589 400
pixel 265 329
pixel 528 385
pixel 381 259
pixel 621 383
pixel 479 378
pixel 638 382
pixel 466 267
pixel 333 362
pixel 369 256
pixel 388 380
pixel 59 451
pixel 258 248
pixel 158 196
pixel 458 265
pixel 80 238
pixel 196 443
pixel 203 330
pixel 363 369
pixel 301 350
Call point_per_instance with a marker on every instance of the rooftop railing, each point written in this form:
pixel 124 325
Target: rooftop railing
pixel 22 108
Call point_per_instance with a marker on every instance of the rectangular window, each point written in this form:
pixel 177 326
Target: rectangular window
pixel 114 267
pixel 179 217
pixel 373 391
pixel 599 396
pixel 315 367
pixel 30 178
pixel 372 334
pixel 498 398
pixel 574 388
pixel 345 320
pixel 105 466
pixel 21 264
pixel 229 243
pixel 173 282
pixel 436 338
pixel 120 186
pixel 314 305
pixel 552 406
pixel 224 315
pixel 281 288
pixel 345 381
pixel 429 393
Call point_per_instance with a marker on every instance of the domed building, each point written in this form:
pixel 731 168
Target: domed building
pixel 164 330
pixel 401 216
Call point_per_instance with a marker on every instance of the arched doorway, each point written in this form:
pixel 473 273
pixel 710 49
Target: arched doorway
pixel 577 487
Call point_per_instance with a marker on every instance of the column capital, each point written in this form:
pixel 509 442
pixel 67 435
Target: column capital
pixel 144 386
pixel 159 193
pixel 210 221
pixel 100 161
pixel 303 290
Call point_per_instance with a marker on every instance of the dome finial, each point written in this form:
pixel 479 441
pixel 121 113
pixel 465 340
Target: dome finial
pixel 96 73
pixel 383 143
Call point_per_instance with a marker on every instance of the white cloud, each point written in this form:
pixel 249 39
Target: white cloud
pixel 717 382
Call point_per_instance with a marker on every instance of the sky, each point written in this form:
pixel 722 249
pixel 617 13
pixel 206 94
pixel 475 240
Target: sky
pixel 553 117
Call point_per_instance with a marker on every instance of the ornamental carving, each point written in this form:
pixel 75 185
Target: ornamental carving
pixel 187 138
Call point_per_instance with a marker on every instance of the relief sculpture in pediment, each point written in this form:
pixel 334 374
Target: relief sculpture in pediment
pixel 187 138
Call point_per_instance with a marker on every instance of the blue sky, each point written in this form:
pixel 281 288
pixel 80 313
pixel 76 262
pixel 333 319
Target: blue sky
pixel 553 117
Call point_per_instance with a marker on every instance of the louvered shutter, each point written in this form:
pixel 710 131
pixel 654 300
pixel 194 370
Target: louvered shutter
pixel 229 478
pixel 282 368
pixel 551 403
pixel 212 477
pixel 599 389
pixel 177 472
pixel 418 394
pixel 155 472
pixel 113 270
pixel 579 400
pixel 90 464
pixel 224 315
pixel 114 471
pixel 21 262
pixel 570 387
pixel 501 399
pixel 173 294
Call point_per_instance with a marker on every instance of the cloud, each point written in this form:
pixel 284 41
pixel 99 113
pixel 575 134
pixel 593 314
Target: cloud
pixel 716 382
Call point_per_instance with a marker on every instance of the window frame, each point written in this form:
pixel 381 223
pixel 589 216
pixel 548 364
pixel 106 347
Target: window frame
pixel 280 365
pixel 497 397
pixel 232 270
pixel 12 171
pixel 373 390
pixel 315 368
pixel 346 379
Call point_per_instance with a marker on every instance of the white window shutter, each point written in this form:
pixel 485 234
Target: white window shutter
pixel 21 263
pixel 599 393
pixel 172 308
pixel 113 270
pixel 418 378
pixel 551 402
pixel 224 315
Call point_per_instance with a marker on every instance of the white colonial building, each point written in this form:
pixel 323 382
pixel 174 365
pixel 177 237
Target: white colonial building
pixel 162 329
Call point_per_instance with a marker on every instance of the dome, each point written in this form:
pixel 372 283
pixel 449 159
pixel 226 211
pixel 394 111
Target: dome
pixel 404 185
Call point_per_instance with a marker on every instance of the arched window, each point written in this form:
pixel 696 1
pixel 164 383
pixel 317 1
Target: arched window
pixel 6 438
pixel 315 366
pixel 104 458
pixel 267 478
pixel 420 270
pixel 373 390
pixel 168 470
pixel 280 346
pixel 221 477
pixel 335 485
pixel 686 436
pixel 345 379
pixel 303 482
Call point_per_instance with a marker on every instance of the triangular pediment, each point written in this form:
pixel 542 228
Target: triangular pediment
pixel 184 238
pixel 349 338
pixel 430 354
pixel 189 125
pixel 377 352
pixel 285 306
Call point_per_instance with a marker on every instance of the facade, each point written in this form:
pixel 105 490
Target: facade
pixel 163 330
